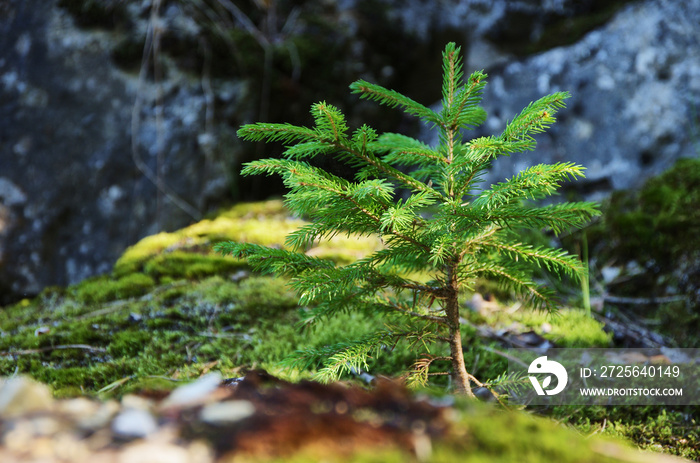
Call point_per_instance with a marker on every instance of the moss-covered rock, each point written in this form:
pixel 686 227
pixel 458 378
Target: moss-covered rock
pixel 104 289
pixel 481 434
pixel 659 223
pixel 188 250
pixel 169 307
pixel 649 240
pixel 172 310
pixel 567 328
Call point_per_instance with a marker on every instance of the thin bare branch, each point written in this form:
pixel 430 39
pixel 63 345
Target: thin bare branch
pixel 50 348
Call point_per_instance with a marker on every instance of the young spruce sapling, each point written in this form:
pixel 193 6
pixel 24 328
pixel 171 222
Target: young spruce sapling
pixel 450 227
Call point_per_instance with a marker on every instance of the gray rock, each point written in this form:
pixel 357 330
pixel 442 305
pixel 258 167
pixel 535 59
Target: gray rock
pixel 74 190
pixel 636 89
pixel 477 17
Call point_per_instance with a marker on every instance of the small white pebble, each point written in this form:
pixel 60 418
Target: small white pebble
pixel 227 412
pixel 193 393
pixel 134 423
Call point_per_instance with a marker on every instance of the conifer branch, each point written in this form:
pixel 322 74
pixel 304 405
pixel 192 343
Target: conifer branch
pixel 378 221
pixel 285 133
pixel 339 357
pixel 465 110
pixel 535 118
pixel 353 355
pixel 552 260
pixel 540 298
pixel 557 217
pixel 413 157
pixel 395 306
pixel 329 119
pixel 393 99
pixel 534 182
pixel 452 74
pixel 473 243
pixel 421 370
pixel 438 292
pixel 272 260
pixel 384 168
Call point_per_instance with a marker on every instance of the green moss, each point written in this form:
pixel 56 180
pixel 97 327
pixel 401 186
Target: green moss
pixel 345 249
pixel 661 222
pixel 259 230
pixel 171 332
pixel 259 296
pixel 104 289
pixel 148 385
pixel 180 264
pixel 673 430
pixel 652 236
pixel 284 339
pixel 262 223
pixel 488 434
pixel 273 208
pixel 20 315
pixel 207 320
pixel 72 333
pixel 186 253
pixel 566 328
pixel 204 317
pixel 135 256
pixel 128 343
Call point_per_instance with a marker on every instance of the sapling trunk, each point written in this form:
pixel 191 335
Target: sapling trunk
pixel 459 369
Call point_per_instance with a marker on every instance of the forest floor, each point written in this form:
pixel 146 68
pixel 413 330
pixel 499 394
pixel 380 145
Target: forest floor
pixel 112 361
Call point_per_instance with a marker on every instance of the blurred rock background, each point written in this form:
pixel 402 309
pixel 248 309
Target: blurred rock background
pixel 118 117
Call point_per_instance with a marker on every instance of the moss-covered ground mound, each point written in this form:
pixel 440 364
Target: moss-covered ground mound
pixel 645 253
pixel 172 310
